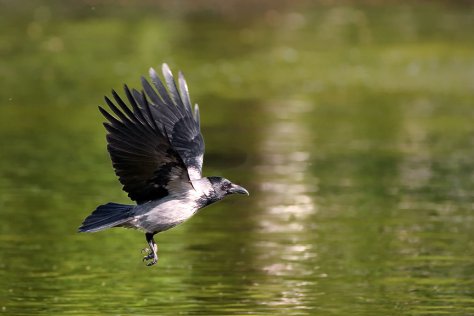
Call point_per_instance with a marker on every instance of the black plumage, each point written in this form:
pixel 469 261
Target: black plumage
pixel 142 155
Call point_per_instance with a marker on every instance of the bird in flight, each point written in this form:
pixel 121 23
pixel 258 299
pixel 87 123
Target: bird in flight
pixel 156 147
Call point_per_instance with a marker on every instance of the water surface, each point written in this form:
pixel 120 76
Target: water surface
pixel 351 126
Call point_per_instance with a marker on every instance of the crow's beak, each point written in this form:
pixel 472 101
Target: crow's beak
pixel 238 189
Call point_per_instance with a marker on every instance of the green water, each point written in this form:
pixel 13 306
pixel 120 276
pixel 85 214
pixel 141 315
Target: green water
pixel 351 126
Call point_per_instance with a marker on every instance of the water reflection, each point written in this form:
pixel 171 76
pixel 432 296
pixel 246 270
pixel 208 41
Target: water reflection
pixel 287 203
pixel 286 180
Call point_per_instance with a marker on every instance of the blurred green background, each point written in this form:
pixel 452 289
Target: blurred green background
pixel 351 124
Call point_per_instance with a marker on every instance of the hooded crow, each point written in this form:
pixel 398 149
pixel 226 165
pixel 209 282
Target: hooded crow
pixel 156 147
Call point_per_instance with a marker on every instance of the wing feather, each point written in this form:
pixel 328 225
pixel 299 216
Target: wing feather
pixel 122 104
pixel 160 87
pixel 143 158
pixel 197 117
pixel 171 109
pixel 174 94
pixel 154 97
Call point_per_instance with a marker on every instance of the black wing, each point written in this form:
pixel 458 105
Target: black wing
pixel 173 113
pixel 142 156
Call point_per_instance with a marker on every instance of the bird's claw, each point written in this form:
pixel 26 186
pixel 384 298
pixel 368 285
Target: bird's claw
pixel 151 255
pixel 149 264
pixel 148 257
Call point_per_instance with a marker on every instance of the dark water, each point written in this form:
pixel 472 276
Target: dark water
pixel 351 126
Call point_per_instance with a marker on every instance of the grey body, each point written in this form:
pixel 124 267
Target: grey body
pixel 172 210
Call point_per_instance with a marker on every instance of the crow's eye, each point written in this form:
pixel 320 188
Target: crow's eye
pixel 225 186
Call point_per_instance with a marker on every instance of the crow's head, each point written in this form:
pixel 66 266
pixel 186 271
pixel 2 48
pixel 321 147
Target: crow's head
pixel 223 187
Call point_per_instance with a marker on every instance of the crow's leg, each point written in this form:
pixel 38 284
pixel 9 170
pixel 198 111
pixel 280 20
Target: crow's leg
pixel 153 256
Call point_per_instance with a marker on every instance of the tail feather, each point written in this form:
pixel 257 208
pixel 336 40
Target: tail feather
pixel 106 216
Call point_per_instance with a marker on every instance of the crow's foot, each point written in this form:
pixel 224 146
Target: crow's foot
pixel 152 255
pixel 152 251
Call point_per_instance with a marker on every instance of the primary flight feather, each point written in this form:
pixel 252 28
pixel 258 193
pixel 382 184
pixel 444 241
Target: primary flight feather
pixel 156 147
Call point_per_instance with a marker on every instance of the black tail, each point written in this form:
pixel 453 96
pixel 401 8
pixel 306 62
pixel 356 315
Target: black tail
pixel 106 216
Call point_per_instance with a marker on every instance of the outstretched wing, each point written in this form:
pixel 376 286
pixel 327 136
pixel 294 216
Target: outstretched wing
pixel 173 113
pixel 142 155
